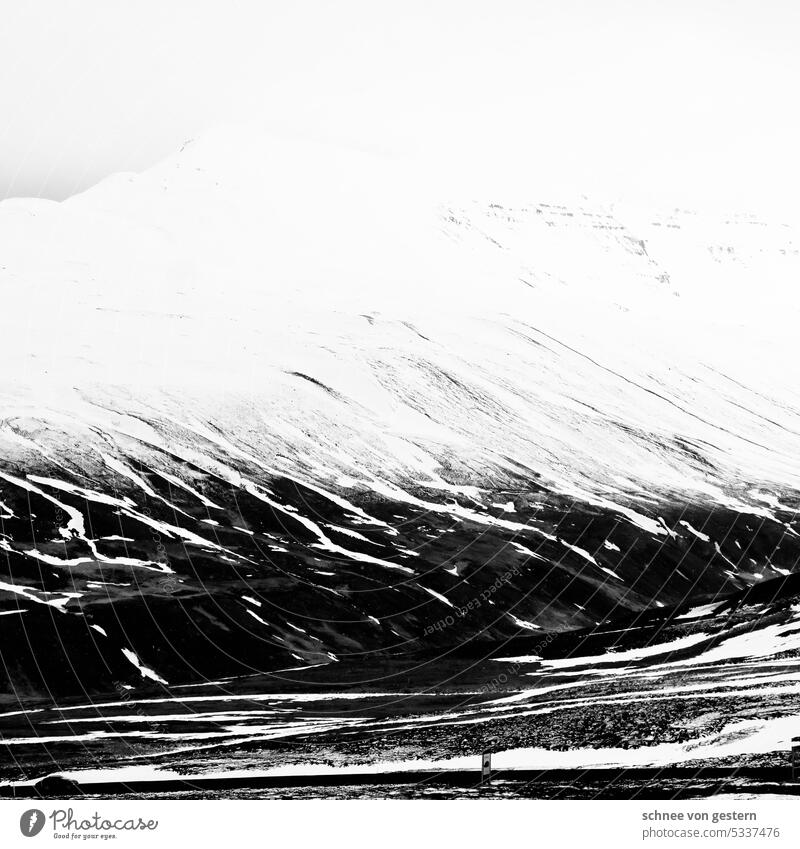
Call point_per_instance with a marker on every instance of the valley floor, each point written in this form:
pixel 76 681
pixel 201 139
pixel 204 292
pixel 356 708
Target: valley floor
pixel 694 706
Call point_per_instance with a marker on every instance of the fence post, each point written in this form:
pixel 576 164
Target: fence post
pixel 486 767
pixel 486 760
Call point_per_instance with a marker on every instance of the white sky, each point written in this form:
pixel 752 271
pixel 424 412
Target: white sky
pixel 687 102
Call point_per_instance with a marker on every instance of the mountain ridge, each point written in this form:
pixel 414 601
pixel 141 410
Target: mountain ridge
pixel 272 372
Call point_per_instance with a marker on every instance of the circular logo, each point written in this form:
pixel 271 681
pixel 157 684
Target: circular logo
pixel 31 822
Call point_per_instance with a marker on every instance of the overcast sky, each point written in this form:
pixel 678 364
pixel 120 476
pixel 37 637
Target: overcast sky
pixel 688 102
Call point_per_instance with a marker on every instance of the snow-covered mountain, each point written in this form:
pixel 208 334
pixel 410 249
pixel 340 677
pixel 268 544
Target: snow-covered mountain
pixel 273 404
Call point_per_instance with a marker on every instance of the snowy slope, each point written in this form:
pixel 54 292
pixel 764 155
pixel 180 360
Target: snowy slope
pixel 317 381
